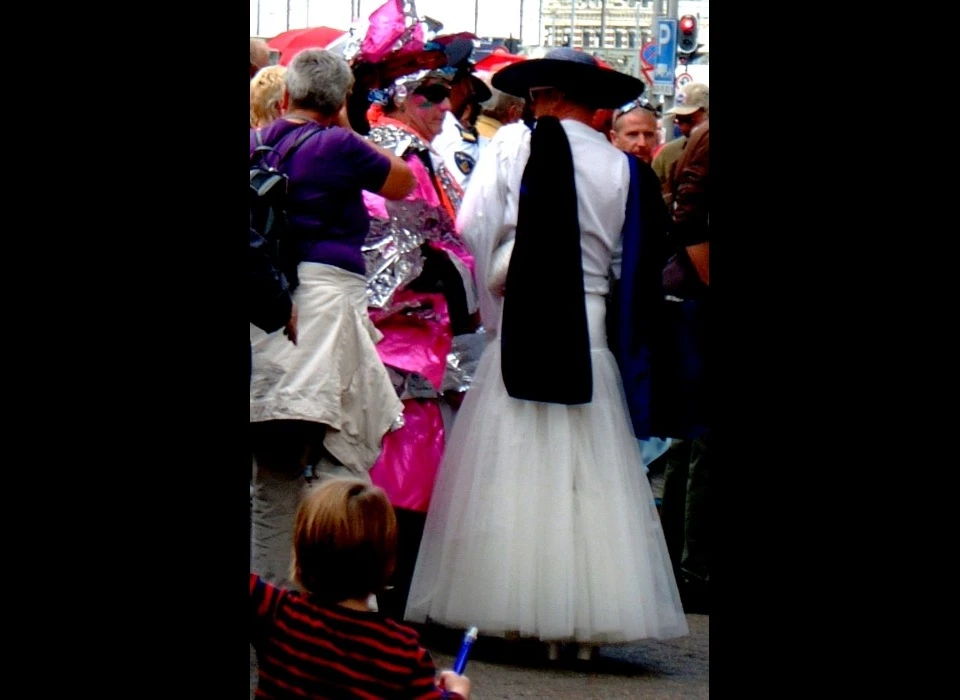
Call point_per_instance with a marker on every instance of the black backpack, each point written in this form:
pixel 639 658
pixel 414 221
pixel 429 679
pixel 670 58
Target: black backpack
pixel 268 204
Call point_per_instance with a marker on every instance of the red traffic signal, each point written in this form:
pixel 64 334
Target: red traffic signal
pixel 687 41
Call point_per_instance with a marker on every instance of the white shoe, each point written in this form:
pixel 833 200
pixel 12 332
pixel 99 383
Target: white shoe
pixel 585 652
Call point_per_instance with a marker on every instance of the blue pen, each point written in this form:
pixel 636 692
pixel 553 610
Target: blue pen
pixel 468 639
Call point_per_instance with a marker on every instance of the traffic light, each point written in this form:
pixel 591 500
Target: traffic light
pixel 687 41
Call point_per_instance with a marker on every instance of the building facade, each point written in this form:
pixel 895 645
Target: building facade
pixel 615 30
pixel 625 24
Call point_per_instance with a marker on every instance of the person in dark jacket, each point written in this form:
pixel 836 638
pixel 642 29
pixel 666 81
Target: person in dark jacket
pixel 691 199
pixel 686 491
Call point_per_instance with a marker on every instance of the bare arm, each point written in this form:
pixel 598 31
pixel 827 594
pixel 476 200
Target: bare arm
pixel 400 180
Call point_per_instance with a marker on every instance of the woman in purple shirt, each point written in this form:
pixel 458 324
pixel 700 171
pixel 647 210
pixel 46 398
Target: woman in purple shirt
pixel 326 401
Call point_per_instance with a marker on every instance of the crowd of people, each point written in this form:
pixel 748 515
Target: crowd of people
pixel 497 307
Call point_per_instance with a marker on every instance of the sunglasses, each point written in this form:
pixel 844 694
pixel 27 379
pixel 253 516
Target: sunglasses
pixel 640 102
pixel 434 94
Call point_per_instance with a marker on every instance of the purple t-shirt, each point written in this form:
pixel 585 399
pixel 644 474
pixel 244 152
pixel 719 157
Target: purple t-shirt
pixel 325 207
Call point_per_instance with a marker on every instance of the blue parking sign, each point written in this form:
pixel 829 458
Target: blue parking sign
pixel 665 69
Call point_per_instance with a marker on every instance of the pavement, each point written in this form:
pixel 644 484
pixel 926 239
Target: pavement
pixel 652 669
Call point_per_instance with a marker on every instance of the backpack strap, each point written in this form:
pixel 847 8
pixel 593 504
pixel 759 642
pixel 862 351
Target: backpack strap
pixel 263 149
pixel 299 142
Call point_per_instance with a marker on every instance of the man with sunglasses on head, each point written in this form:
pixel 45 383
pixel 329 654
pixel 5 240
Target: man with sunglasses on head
pixel 634 129
pixel 691 109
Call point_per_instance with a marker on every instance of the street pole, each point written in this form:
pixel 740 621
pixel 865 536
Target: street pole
pixel 638 72
pixel 654 10
pixel 672 10
pixel 573 20
pixel 540 26
pixel 520 38
pixel 476 16
pixel 288 15
pixel 603 21
pixel 258 17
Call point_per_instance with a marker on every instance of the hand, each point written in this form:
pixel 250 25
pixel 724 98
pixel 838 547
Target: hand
pixel 455 683
pixel 700 257
pixel 290 330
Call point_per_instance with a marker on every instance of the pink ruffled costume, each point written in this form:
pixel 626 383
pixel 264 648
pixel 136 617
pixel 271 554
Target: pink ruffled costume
pixel 412 244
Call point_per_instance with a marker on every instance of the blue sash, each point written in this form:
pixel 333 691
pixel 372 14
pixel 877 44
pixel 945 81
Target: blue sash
pixel 659 344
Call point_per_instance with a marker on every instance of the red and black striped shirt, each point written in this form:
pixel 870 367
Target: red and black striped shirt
pixel 307 650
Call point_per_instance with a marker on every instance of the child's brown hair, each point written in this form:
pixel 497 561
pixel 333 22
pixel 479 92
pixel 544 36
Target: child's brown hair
pixel 344 540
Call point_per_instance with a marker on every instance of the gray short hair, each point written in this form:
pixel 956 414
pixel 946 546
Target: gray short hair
pixel 317 79
pixel 500 104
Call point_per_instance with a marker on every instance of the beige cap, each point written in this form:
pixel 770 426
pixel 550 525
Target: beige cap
pixel 690 98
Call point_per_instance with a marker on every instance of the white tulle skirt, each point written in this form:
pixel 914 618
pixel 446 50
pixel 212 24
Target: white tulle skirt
pixel 542 521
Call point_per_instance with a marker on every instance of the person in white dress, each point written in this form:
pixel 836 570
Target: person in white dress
pixel 542 523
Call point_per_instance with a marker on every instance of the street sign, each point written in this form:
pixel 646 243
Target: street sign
pixel 684 79
pixel 648 54
pixel 664 74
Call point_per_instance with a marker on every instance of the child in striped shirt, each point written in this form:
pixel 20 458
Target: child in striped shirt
pixel 326 642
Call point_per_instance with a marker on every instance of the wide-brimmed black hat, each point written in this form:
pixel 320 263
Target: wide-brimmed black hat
pixel 569 70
